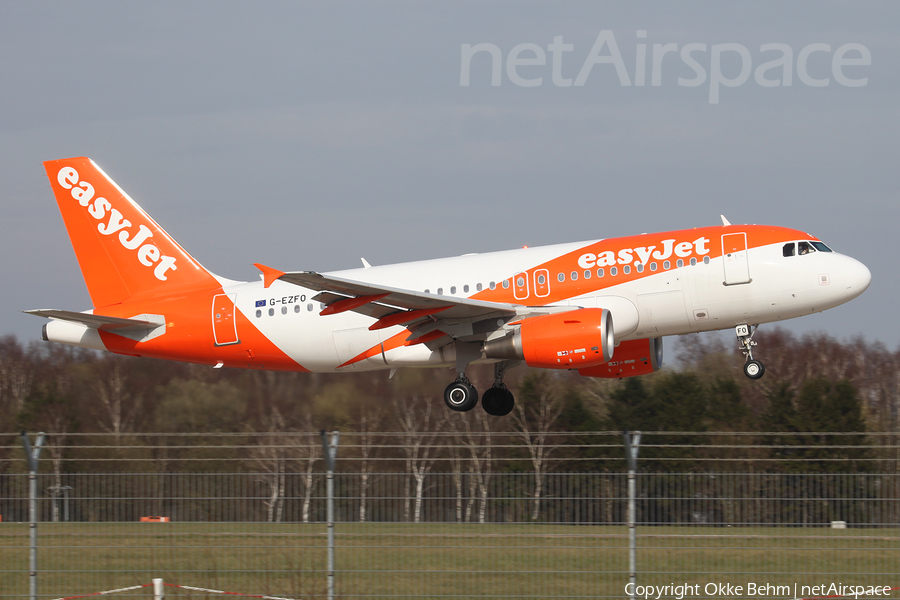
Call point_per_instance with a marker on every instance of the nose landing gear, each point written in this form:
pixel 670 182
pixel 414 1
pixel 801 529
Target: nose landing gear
pixel 752 368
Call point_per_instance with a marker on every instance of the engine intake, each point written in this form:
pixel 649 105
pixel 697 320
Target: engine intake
pixel 571 340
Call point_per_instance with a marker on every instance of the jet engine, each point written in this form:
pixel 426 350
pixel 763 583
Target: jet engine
pixel 634 357
pixel 571 340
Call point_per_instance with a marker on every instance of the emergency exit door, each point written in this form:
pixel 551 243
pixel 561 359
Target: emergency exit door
pixel 223 318
pixel 735 259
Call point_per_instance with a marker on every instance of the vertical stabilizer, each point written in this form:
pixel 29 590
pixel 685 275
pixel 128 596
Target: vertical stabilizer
pixel 121 250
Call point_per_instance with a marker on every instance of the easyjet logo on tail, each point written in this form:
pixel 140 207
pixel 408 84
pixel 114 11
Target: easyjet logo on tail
pixel 112 222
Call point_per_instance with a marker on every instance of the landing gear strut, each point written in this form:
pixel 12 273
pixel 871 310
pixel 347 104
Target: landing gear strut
pixel 461 395
pixel 752 368
pixel 499 401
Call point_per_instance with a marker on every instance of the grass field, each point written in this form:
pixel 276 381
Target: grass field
pixel 435 560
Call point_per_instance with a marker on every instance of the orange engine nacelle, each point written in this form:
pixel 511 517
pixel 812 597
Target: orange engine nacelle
pixel 569 340
pixel 634 357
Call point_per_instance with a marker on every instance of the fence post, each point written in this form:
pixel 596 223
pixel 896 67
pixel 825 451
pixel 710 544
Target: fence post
pixel 330 451
pixel 159 590
pixel 632 444
pixel 32 455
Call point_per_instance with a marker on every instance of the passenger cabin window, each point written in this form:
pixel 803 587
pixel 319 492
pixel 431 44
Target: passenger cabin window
pixel 788 249
pixel 805 248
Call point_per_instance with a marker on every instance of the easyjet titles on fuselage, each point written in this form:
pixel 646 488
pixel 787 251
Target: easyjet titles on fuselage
pixel 643 254
pixel 147 254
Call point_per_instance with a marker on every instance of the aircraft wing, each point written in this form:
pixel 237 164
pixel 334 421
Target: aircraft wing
pixel 420 312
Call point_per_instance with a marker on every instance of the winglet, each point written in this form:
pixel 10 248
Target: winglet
pixel 365 263
pixel 269 274
pixel 725 222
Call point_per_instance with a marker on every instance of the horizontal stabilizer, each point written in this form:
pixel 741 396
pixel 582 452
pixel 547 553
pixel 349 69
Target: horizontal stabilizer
pixel 112 324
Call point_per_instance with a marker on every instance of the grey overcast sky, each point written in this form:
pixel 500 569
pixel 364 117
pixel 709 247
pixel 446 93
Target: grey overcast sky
pixel 304 135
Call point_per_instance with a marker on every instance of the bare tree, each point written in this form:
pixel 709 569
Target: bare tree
pixel 116 395
pixel 269 458
pixel 477 440
pixel 537 409
pixel 370 419
pixel 309 448
pixel 420 423
pixel 17 369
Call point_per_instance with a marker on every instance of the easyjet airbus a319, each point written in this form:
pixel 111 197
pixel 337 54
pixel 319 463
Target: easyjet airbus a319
pixel 601 306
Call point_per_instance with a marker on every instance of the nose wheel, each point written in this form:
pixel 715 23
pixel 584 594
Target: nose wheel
pixel 752 367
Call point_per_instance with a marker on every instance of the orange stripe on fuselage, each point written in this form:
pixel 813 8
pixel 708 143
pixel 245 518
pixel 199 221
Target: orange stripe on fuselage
pixel 189 335
pixel 628 251
pixel 395 341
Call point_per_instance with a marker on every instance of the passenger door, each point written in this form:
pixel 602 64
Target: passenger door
pixel 223 318
pixel 735 259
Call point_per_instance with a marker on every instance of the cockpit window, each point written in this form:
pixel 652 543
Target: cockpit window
pixel 789 249
pixel 805 248
pixel 821 247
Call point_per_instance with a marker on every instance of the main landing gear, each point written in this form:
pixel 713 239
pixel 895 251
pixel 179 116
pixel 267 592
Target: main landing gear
pixel 752 368
pixel 461 395
pixel 498 401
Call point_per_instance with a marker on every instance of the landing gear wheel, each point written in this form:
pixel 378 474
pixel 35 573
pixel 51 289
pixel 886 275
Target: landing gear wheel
pixel 754 369
pixel 498 401
pixel 461 396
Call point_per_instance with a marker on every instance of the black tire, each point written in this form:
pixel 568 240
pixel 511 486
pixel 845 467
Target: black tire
pixel 460 396
pixel 754 369
pixel 497 401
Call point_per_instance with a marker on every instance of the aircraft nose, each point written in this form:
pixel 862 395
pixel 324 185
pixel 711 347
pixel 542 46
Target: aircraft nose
pixel 857 277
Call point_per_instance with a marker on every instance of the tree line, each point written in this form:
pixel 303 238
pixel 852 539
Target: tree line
pixel 813 383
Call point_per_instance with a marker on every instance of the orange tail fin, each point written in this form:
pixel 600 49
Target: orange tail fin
pixel 121 250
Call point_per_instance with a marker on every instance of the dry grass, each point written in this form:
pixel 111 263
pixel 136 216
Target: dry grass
pixel 435 560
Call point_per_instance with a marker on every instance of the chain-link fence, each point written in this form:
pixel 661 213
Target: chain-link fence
pixel 490 515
